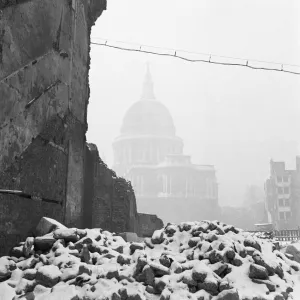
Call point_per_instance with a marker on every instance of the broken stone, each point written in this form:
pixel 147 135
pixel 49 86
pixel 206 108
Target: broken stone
pixel 170 229
pixel 4 268
pixel 188 279
pixel 219 268
pixel 151 290
pixel 113 272
pixel 85 254
pixel 259 261
pixel 17 251
pixel 69 273
pixel 160 284
pixel 279 271
pixel 237 262
pixel 231 228
pixel 271 286
pixel 47 225
pixel 28 263
pixel 127 293
pixel 224 285
pixel 165 261
pixel 44 242
pixel 252 243
pixel 176 267
pixel 28 247
pixel 48 276
pixel 122 260
pixel 29 274
pixel 136 246
pixel 258 272
pixel 199 274
pixel 193 242
pixel 211 237
pixel 165 295
pixel 157 237
pixel 68 235
pixel 231 294
pixel 210 285
pixel 25 286
pixel 215 256
pixel 159 269
pixel 84 269
pixel 81 232
pixel 148 274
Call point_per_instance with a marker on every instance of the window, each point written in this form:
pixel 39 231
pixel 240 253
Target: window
pixel 280 190
pixel 285 179
pixel 286 190
pixel 280 202
pixel 281 215
pixel 286 202
pixel 279 179
pixel 287 215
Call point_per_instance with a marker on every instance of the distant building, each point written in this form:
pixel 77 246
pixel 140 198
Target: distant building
pixel 282 191
pixel 150 155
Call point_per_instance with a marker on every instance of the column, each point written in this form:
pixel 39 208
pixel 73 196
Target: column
pixel 164 184
pixel 142 185
pixel 186 187
pixel 166 179
pixel 130 154
pixel 124 156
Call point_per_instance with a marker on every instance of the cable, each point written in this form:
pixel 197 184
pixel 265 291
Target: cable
pixel 246 64
pixel 199 53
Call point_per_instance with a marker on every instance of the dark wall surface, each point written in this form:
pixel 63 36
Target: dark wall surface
pixel 109 198
pixel 44 92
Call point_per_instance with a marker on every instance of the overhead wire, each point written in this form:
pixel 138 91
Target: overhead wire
pixel 247 63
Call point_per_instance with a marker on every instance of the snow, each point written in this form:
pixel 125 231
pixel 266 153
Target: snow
pixel 192 260
pixel 6 291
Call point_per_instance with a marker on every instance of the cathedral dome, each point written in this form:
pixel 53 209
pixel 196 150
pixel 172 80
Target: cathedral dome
pixel 148 116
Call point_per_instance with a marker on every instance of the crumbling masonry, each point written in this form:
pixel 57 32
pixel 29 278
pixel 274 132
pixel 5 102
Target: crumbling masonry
pixel 44 93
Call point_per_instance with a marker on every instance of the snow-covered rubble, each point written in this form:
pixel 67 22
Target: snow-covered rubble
pixel 192 260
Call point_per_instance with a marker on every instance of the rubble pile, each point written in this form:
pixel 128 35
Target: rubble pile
pixel 192 260
pixel 269 235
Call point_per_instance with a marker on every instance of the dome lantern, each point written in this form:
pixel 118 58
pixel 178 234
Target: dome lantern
pixel 148 91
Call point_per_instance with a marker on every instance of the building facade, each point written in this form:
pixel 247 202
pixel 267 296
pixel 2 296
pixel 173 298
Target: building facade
pixel 149 154
pixel 282 191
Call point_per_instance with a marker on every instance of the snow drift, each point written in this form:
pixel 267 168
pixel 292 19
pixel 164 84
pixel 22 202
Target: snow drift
pixel 193 260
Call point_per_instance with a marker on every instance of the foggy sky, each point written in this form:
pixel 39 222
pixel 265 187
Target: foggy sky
pixel 232 117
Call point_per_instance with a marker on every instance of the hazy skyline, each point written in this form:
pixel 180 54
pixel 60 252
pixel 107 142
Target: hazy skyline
pixel 231 117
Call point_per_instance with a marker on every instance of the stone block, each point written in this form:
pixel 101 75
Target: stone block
pixel 47 225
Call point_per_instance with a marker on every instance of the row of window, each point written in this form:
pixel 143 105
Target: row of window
pixel 169 187
pixel 283 190
pixel 144 154
pixel 285 215
pixel 282 179
pixel 284 202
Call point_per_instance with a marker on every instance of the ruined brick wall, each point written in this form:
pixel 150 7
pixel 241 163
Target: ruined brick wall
pixel 44 91
pixel 112 199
